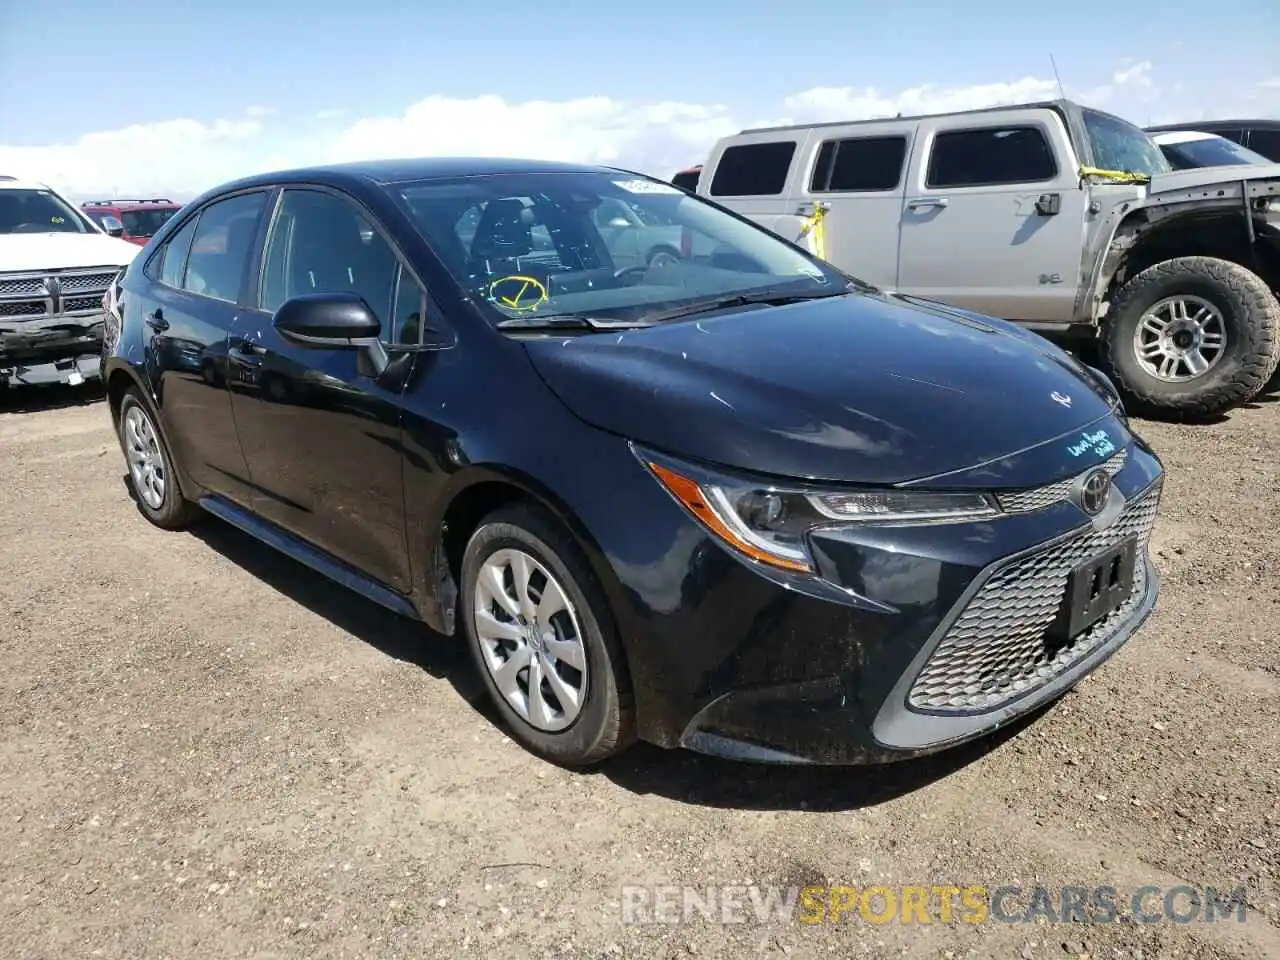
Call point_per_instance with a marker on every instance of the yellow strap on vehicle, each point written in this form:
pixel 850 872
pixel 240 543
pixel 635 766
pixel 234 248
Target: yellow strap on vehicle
pixel 1119 176
pixel 815 226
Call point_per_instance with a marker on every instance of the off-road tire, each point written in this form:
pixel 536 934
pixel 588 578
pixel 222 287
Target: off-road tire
pixel 1251 317
pixel 176 511
pixel 606 724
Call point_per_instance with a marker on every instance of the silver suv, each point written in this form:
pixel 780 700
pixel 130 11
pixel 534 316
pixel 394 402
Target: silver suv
pixel 1063 218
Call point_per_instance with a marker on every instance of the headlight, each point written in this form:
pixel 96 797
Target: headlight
pixel 770 523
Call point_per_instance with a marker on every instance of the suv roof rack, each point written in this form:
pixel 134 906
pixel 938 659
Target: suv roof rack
pixel 5 176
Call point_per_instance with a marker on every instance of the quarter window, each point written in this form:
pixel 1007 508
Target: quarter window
pixel 321 243
pixel 990 156
pixel 865 163
pixel 174 258
pixel 753 169
pixel 1265 142
pixel 220 249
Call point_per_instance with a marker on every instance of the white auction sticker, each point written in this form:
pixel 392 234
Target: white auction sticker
pixel 645 186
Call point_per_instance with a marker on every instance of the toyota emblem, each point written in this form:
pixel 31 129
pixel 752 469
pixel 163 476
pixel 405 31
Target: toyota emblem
pixel 1094 490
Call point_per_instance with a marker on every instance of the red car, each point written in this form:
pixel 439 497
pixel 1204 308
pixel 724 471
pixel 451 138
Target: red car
pixel 140 219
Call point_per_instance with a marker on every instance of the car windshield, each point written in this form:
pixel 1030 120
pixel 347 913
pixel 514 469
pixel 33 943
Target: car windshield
pixel 608 246
pixel 1119 145
pixel 145 223
pixel 1209 151
pixel 38 211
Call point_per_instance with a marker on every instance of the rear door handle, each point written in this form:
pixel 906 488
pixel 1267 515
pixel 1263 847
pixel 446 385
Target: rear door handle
pixel 156 321
pixel 924 203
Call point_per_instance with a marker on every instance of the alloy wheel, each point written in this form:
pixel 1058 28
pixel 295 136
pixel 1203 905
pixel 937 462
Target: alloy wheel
pixel 1180 338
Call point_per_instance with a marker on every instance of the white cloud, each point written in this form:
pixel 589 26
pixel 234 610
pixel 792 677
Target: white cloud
pixel 184 156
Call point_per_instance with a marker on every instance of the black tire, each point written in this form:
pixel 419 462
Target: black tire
pixel 663 250
pixel 605 725
pixel 175 511
pixel 1251 318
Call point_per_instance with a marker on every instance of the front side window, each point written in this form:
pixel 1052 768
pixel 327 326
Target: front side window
pixel 38 211
pixel 1119 145
pixel 219 258
pixel 321 243
pixel 990 156
pixel 533 245
pixel 1266 142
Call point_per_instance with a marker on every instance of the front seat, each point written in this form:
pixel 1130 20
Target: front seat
pixel 503 235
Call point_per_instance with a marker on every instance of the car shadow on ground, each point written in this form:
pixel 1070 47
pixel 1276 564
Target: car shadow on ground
pixel 18 398
pixel 692 778
pixel 678 775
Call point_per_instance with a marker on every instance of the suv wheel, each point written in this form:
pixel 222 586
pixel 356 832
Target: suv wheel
pixel 542 637
pixel 1192 336
pixel 151 478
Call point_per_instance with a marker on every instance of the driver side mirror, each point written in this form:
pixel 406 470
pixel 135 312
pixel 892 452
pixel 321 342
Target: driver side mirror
pixel 619 222
pixel 334 321
pixel 113 227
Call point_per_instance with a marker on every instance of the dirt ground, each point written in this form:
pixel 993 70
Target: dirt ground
pixel 209 752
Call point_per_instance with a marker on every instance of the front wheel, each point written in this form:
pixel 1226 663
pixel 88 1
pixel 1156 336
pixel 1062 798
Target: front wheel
pixel 543 639
pixel 1192 337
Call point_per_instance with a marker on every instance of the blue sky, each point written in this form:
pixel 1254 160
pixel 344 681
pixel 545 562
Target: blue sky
pixel 145 64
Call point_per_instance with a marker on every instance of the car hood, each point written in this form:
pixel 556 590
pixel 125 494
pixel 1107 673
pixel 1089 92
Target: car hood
pixel 63 251
pixel 865 388
pixel 1210 176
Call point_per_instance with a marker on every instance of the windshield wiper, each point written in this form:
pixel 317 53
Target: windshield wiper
pixel 766 298
pixel 567 321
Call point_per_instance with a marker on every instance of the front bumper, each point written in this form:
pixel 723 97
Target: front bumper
pixel 914 640
pixel 61 350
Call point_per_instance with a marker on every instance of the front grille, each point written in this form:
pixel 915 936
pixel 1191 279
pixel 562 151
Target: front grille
pixel 997 648
pixel 75 304
pixel 19 286
pixel 26 296
pixel 86 282
pixel 22 308
pixel 1025 501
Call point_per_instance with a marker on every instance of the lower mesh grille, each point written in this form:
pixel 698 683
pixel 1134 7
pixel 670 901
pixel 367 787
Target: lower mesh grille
pixel 996 650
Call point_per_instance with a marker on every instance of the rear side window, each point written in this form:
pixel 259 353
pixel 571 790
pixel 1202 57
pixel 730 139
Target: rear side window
pixel 220 250
pixel 863 163
pixel 753 169
pixel 174 258
pixel 990 156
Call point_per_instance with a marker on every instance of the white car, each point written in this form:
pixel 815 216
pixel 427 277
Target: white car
pixel 1188 149
pixel 56 266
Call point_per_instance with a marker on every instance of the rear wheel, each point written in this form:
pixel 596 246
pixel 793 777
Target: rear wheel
pixel 543 639
pixel 151 477
pixel 1192 337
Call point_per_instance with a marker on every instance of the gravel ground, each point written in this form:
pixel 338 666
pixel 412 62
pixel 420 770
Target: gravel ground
pixel 210 752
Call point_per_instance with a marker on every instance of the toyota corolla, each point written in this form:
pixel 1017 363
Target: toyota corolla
pixel 731 499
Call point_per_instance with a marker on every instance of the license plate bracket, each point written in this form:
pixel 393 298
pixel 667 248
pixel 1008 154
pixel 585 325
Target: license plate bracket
pixel 1096 588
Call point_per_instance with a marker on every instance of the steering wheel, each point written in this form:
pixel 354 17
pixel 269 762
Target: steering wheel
pixel 634 268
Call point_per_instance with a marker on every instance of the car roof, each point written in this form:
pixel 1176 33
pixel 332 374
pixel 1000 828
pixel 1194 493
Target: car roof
pixel 1216 125
pixel 413 169
pixel 17 183
pixel 1059 104
pixel 1184 136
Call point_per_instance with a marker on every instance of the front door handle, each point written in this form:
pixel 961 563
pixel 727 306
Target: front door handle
pixel 1049 204
pixel 156 321
pixel 924 203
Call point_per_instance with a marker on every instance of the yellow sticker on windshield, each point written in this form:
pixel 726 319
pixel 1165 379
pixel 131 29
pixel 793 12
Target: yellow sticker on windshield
pixel 58 219
pixel 518 292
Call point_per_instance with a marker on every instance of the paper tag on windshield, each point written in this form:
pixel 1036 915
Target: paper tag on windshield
pixel 645 186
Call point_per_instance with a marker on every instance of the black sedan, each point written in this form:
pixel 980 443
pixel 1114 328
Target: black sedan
pixel 739 501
